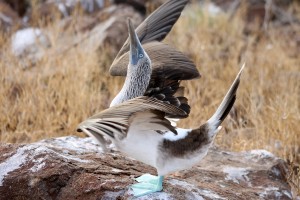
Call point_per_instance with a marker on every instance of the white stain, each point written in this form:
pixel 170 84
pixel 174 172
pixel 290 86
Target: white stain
pixel 288 194
pixel 14 162
pixel 116 170
pixel 27 154
pixel 262 153
pixel 38 165
pixel 78 145
pixel 156 195
pixel 213 9
pixel 270 190
pixel 27 40
pixel 236 174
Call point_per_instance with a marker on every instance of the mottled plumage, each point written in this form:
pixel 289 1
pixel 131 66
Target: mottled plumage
pixel 139 70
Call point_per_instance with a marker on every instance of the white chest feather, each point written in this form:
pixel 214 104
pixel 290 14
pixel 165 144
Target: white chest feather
pixel 145 146
pixel 173 164
pixel 142 146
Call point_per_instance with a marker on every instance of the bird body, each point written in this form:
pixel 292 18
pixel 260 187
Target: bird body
pixel 140 79
pixel 139 126
pixel 138 123
pixel 169 152
pixel 157 150
pixel 140 129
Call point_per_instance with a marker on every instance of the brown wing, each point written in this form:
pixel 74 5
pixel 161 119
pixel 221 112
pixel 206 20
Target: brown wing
pixel 170 92
pixel 114 122
pixel 169 66
pixel 157 25
pixel 150 120
pixel 165 60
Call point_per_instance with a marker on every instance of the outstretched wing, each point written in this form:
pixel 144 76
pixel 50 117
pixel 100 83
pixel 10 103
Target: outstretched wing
pixel 115 121
pixel 165 60
pixel 157 25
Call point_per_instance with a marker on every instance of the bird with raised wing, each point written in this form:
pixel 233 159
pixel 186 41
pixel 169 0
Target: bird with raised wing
pixel 140 80
pixel 140 129
pixel 177 142
pixel 167 62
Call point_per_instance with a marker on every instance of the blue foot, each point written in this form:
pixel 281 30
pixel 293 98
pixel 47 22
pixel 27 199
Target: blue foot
pixel 147 184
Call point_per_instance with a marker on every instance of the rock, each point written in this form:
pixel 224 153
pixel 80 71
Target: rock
pixel 26 41
pixel 108 29
pixel 8 17
pixel 66 7
pixel 76 168
pixel 263 12
pixel 85 23
pixel 93 5
pixel 28 44
pixel 139 5
pixel 117 32
pixel 20 6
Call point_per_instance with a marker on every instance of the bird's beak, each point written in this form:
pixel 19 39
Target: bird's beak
pixel 136 49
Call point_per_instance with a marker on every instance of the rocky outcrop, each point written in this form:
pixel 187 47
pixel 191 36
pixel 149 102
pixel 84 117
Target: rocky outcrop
pixel 102 23
pixel 263 12
pixel 76 168
pixel 30 45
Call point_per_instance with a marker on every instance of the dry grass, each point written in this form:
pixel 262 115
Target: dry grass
pixel 267 110
pixel 51 98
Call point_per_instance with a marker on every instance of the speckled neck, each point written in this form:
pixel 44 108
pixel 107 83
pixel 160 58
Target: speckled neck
pixel 136 82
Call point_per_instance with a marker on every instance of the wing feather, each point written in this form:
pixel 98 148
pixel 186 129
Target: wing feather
pixel 145 112
pixel 164 60
pixel 150 120
pixel 158 24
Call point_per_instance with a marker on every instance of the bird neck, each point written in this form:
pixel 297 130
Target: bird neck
pixel 136 82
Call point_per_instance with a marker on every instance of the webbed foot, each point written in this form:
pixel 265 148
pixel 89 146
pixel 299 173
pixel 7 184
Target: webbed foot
pixel 147 184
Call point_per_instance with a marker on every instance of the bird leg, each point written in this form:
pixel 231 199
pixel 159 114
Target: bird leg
pixel 147 184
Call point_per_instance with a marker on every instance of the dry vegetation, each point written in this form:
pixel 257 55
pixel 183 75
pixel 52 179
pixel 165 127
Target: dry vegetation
pixel 51 98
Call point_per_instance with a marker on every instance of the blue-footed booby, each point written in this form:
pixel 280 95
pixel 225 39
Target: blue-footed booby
pixel 140 82
pixel 137 122
pixel 166 61
pixel 140 129
pixel 138 126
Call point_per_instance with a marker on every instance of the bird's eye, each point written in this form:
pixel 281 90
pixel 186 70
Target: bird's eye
pixel 141 55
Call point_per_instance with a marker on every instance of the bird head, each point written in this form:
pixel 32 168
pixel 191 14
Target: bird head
pixel 137 52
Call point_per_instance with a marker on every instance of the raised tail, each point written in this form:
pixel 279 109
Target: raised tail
pixel 215 121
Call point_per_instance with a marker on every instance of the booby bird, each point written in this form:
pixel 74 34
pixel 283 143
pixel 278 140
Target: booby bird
pixel 167 62
pixel 139 128
pixel 140 82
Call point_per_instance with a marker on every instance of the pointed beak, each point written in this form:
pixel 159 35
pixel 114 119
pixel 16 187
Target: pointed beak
pixel 136 49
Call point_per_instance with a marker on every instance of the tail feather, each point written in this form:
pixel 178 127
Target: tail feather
pixel 227 103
